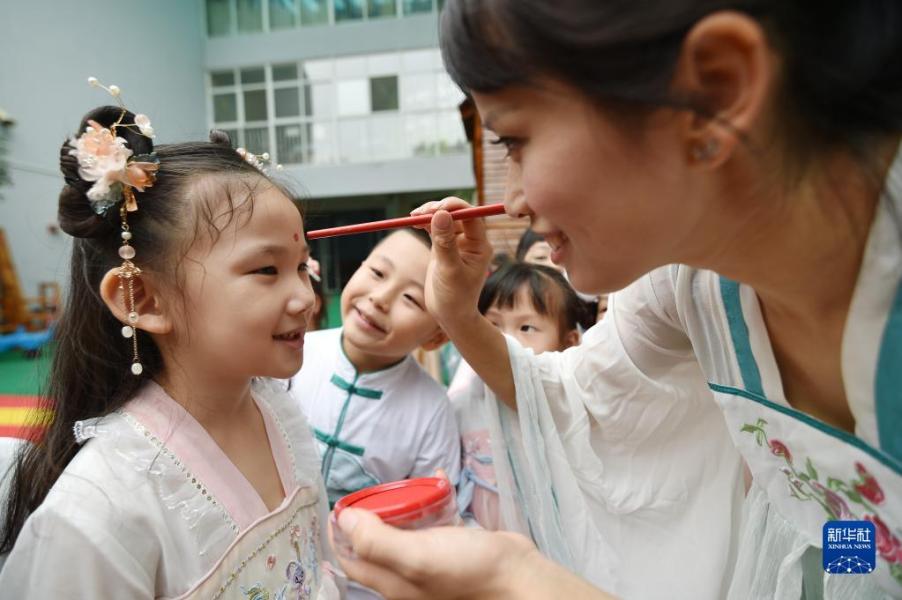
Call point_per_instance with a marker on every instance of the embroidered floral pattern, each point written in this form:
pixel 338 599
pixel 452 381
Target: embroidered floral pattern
pixel 301 571
pixel 864 494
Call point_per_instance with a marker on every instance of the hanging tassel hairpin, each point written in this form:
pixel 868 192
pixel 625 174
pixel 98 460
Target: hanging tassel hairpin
pixel 105 159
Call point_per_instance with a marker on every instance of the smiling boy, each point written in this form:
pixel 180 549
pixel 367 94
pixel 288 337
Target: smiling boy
pixel 376 414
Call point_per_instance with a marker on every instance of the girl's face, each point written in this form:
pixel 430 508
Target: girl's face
pixel 612 202
pixel 540 254
pixel 248 294
pixel 541 333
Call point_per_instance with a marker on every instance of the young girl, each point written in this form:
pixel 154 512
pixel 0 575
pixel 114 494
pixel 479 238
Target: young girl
pixel 535 305
pixel 170 469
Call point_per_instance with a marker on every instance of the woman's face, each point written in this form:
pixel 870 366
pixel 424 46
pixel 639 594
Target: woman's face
pixel 613 201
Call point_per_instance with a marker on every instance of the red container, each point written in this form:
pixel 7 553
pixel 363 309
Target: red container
pixel 408 504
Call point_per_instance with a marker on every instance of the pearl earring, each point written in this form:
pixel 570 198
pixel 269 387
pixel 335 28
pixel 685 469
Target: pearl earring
pixel 127 273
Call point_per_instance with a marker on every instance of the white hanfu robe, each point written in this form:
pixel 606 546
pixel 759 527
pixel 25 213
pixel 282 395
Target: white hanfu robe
pixel 641 499
pixel 150 507
pixel 374 427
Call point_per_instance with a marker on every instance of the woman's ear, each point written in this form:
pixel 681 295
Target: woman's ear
pixel 436 340
pixel 727 68
pixel 152 316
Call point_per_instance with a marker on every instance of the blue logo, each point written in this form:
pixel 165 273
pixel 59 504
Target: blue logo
pixel 850 547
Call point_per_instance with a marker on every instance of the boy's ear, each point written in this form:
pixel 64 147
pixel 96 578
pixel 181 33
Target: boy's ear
pixel 148 302
pixel 570 339
pixel 435 341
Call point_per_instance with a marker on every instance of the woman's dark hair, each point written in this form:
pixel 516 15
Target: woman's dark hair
pixel 550 293
pixel 90 374
pixel 526 242
pixel 842 77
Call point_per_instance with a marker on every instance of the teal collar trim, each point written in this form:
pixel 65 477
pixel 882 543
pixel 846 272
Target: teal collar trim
pixel 844 436
pixel 739 332
pixel 355 390
pixel 888 382
pixel 333 442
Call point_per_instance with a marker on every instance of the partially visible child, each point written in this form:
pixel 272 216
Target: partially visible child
pixel 536 305
pixel 377 415
pixel 171 466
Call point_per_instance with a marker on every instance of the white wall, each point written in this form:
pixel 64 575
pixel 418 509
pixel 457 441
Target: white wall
pixel 153 50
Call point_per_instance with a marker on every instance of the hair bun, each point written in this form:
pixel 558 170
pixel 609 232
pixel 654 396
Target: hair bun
pixel 218 136
pixel 75 213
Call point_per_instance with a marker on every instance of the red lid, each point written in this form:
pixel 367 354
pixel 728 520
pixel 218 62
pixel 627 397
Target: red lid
pixel 398 497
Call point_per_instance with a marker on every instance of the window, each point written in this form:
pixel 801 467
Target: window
pixel 412 7
pixel 225 108
pixel 292 143
pixel 377 107
pixel 255 75
pixel 314 12
pixel 283 14
pixel 250 16
pixel 348 10
pixel 380 8
pixel 384 93
pixel 222 78
pixel 219 17
pixel 256 139
pixel 353 97
pixel 287 72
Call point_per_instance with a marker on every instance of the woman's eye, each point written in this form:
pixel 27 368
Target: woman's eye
pixel 511 144
pixel 270 270
pixel 376 273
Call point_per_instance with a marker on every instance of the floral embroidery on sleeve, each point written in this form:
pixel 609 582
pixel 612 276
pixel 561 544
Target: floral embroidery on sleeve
pixel 835 495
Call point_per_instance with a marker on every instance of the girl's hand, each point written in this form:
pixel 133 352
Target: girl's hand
pixel 434 564
pixel 461 255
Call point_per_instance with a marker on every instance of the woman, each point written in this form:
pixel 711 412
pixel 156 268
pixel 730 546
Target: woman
pixel 755 144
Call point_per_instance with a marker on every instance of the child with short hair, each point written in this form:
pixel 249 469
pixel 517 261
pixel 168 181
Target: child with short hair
pixel 377 415
pixel 171 467
pixel 534 304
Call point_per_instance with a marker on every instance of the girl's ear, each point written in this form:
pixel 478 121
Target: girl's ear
pixel 436 340
pixel 571 338
pixel 152 317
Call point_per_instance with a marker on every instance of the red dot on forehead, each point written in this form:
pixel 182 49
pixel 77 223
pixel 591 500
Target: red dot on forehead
pixel 296 237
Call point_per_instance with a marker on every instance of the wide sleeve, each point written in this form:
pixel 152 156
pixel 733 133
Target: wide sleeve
pixel 57 556
pixel 440 445
pixel 604 439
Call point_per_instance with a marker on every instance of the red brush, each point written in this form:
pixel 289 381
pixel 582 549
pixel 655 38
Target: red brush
pixel 464 213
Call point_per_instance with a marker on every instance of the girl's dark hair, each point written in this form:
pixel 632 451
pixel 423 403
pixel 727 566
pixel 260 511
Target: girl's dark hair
pixel 526 242
pixel 841 84
pixel 90 374
pixel 550 293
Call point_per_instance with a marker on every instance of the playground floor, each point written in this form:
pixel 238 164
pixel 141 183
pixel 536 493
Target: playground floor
pixel 21 375
pixel 21 379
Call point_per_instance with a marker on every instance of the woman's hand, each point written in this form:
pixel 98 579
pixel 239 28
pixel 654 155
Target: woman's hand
pixel 460 258
pixel 434 564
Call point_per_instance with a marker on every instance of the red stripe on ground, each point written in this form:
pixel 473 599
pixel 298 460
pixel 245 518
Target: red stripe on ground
pixel 8 401
pixel 18 431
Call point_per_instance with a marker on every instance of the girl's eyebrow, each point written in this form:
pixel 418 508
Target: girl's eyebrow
pixel 277 249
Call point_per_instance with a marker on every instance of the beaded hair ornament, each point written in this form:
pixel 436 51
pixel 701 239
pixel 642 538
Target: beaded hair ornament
pixel 106 160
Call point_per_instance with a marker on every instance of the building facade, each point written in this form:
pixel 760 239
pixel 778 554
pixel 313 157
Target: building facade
pixel 351 97
pixel 348 95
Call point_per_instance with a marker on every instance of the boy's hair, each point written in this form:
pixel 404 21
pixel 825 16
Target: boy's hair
pixel 201 188
pixel 550 293
pixel 420 234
